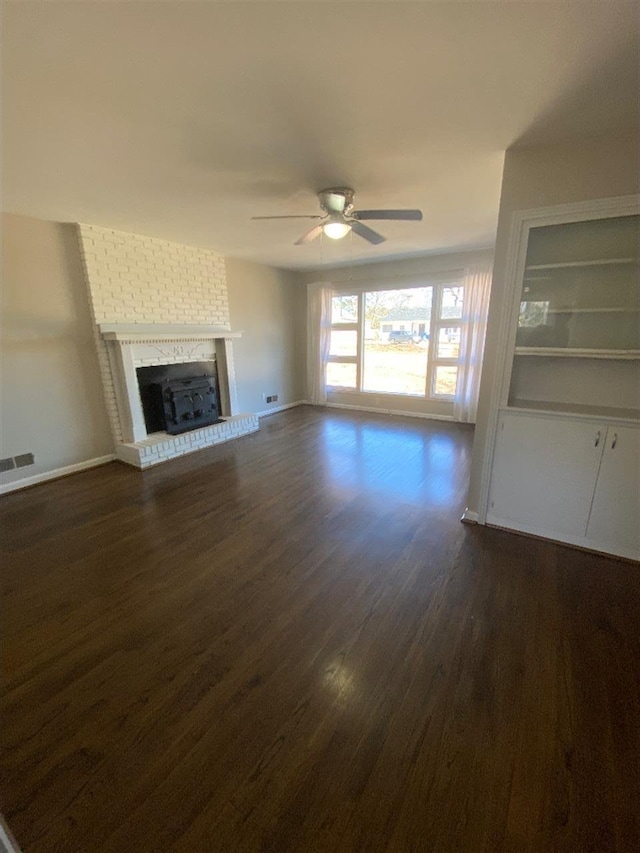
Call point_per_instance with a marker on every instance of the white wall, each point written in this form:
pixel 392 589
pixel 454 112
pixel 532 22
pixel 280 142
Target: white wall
pixel 268 306
pixel 52 402
pixel 539 176
pixel 410 271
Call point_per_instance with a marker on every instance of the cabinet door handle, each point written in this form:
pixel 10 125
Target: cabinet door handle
pixel 614 440
pixel 597 441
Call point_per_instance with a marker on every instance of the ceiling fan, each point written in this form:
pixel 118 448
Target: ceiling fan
pixel 339 217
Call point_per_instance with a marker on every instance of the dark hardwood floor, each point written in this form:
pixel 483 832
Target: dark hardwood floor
pixel 291 643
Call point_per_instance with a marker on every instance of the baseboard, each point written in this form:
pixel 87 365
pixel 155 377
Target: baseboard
pixel 281 408
pixel 469 516
pixel 579 542
pixel 399 412
pixel 56 473
pixel 7 841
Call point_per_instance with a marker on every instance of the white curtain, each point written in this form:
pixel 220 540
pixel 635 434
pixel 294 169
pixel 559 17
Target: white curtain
pixel 477 282
pixel 318 340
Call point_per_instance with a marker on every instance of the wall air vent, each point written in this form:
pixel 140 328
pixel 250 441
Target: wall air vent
pixel 24 459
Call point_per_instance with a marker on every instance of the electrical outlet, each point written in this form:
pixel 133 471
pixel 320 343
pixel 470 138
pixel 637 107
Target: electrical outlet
pixel 272 398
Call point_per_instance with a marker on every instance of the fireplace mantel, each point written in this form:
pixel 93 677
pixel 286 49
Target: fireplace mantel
pixel 162 332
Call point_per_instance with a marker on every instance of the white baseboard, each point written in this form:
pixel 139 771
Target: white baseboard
pixel 380 411
pixel 56 473
pixel 7 841
pixel 281 408
pixel 580 542
pixel 470 517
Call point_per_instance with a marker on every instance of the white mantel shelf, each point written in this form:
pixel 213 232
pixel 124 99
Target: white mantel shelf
pixel 147 332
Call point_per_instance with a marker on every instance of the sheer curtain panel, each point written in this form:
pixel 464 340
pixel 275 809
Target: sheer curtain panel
pixel 319 296
pixel 477 287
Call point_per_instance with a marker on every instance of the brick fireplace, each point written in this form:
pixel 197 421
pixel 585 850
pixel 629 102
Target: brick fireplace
pixel 158 303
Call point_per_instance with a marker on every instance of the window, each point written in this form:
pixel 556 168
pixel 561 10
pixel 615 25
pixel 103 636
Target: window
pixel 395 362
pixel 342 367
pixel 447 331
pixel 398 341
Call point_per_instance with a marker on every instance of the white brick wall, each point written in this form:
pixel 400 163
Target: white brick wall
pixel 134 279
pixel 161 447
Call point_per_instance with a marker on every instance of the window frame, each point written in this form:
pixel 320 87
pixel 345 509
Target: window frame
pixel 438 283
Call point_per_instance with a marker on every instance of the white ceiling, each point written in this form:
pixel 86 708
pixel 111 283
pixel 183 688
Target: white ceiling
pixel 181 120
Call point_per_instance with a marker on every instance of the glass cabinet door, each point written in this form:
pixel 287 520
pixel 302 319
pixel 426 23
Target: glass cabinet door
pixel 577 345
pixel 580 288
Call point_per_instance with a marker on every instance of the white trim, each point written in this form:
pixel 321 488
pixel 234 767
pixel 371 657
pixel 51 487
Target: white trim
pixel 56 473
pixel 469 516
pixel 521 222
pixel 137 332
pixel 6 838
pixel 281 408
pixel 426 415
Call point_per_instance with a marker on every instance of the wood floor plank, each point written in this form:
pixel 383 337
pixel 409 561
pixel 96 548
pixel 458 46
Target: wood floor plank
pixel 290 643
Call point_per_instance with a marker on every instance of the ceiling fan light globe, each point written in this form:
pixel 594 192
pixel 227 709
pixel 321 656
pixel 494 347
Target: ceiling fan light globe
pixel 336 230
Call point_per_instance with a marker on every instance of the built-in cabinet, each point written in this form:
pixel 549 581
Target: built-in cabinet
pixel 565 461
pixel 567 478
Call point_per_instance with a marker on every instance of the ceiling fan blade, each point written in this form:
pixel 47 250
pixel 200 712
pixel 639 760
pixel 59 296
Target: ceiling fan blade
pixel 310 216
pixel 316 231
pixel 366 232
pixel 411 215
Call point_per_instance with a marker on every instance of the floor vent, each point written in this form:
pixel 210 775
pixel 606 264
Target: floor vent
pixel 7 464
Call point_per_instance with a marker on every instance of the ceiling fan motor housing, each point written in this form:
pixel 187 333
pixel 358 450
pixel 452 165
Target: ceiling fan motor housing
pixel 336 199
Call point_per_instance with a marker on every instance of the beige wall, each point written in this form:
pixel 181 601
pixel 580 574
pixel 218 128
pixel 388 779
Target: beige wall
pixel 52 402
pixel 269 308
pixel 408 271
pixel 538 177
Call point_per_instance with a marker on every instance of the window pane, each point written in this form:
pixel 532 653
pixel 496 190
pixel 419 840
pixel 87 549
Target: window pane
pixel 344 309
pixel 387 311
pixel 344 342
pixel 396 341
pixel 449 342
pixel 452 298
pixel 395 368
pixel 341 375
pixel 446 379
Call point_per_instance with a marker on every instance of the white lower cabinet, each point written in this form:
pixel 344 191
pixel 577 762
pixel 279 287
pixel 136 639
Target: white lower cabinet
pixel 569 479
pixel 615 513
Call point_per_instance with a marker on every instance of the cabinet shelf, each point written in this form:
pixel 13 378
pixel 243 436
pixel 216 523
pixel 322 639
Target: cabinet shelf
pixel 600 262
pixel 593 311
pixel 565 352
pixel 553 407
